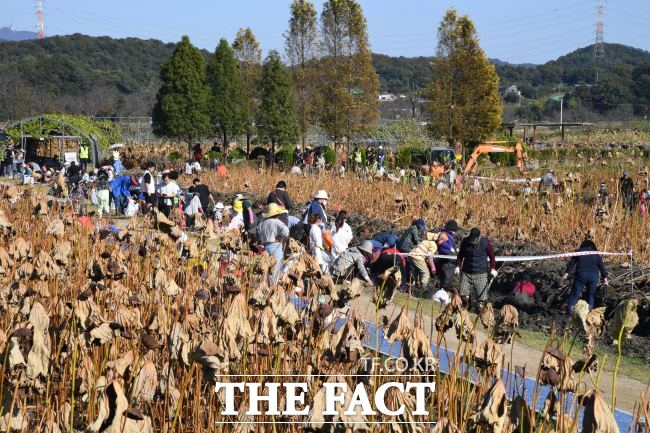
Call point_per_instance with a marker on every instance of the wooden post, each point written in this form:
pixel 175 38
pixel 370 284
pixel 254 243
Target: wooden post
pixel 524 133
pixel 534 132
pixel 562 131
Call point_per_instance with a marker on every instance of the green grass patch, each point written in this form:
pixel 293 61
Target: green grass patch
pixel 630 366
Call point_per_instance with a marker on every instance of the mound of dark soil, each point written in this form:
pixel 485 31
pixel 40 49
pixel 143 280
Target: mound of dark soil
pixel 547 275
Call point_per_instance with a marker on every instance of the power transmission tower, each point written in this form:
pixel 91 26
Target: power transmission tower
pixel 599 46
pixel 40 29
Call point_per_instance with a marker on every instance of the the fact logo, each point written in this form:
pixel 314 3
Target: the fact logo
pixel 295 398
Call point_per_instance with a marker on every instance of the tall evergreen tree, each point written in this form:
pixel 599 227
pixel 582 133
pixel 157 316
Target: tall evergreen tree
pixel 277 118
pixel 302 50
pixel 249 54
pixel 225 80
pixel 464 92
pixel 181 109
pixel 349 85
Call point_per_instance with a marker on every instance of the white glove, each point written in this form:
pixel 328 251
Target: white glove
pixel 493 272
pixel 457 270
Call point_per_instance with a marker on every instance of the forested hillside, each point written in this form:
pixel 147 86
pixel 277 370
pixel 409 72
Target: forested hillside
pixel 105 76
pixel 77 73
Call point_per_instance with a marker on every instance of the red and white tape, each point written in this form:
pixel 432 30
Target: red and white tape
pixel 526 258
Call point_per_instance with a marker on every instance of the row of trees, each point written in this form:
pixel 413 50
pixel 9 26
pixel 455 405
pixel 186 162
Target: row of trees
pixel 220 98
pixel 331 82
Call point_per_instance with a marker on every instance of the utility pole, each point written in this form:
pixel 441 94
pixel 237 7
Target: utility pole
pixel 40 28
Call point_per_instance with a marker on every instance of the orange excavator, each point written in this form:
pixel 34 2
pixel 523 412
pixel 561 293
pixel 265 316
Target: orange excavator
pixel 496 147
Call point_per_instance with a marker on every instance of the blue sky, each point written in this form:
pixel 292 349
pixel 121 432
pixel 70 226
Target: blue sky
pixel 511 30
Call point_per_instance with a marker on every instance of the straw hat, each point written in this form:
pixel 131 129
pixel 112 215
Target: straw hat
pixel 321 194
pixel 272 210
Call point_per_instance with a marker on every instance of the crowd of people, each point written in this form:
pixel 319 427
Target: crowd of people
pixel 418 251
pixel 375 163
pixel 428 258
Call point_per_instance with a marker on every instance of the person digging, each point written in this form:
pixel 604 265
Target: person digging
pixel 472 265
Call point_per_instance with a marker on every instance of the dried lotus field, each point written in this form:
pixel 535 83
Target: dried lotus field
pixel 558 223
pixel 105 332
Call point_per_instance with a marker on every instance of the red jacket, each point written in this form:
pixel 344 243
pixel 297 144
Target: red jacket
pixel 526 287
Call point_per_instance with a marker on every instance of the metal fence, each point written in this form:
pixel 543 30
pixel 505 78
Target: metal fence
pixel 134 129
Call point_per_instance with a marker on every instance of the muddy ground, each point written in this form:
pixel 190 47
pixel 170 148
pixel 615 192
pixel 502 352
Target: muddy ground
pixel 547 275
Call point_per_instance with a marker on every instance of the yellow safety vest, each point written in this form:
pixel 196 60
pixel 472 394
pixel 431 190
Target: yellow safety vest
pixel 83 152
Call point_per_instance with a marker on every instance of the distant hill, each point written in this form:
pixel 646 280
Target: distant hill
pixel 9 34
pixel 498 62
pixel 76 64
pixel 577 67
pixel 106 76
pixel 398 74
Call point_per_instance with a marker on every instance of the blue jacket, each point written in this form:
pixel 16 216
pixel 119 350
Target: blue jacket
pixel 387 239
pixel 120 186
pixel 315 207
pixel 590 266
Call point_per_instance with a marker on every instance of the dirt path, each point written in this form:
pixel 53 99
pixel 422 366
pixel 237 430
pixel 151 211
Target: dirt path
pixel 628 390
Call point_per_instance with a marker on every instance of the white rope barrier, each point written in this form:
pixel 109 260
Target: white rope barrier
pixel 526 258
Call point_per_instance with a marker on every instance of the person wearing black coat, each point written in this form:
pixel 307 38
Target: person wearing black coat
pixel 588 269
pixel 280 196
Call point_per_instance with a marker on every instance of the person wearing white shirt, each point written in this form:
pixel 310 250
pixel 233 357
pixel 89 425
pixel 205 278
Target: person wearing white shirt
pixel 168 192
pixel 341 235
pixel 316 240
pixel 192 167
pixel 192 209
pixel 450 177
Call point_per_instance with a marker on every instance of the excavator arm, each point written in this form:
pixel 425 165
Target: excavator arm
pixel 496 147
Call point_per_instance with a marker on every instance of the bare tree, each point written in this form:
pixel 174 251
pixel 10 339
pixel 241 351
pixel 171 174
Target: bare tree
pixel 16 96
pixel 414 95
pixel 301 49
